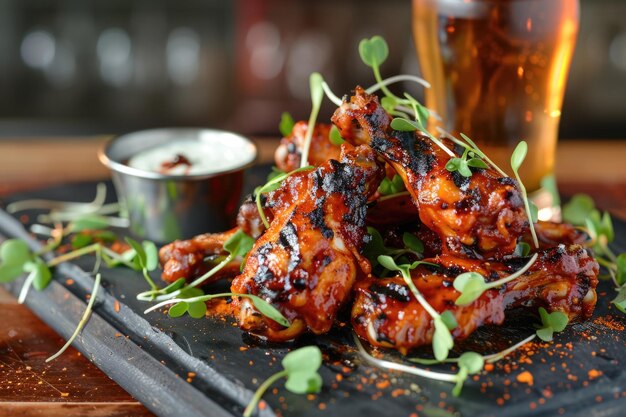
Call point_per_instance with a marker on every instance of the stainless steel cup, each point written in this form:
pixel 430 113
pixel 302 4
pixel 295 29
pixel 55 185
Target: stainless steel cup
pixel 164 207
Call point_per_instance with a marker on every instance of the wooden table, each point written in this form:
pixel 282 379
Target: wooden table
pixel 71 384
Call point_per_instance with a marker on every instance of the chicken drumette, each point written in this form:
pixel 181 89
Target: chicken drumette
pixel 481 216
pixel 306 263
pixel 387 315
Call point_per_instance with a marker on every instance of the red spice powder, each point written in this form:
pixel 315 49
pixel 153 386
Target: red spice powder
pixel 525 378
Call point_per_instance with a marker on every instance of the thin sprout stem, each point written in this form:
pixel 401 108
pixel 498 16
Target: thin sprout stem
pixel 310 127
pixel 441 145
pixel 418 295
pixel 475 148
pixel 261 390
pixel 395 79
pixel 391 196
pixel 212 272
pixel 74 254
pixel 259 207
pixel 82 321
pixel 61 205
pixel 527 207
pixel 607 264
pixel 513 276
pixel 383 87
pixel 27 283
pixel 384 364
pixel 494 357
pixel 330 95
pixel 190 300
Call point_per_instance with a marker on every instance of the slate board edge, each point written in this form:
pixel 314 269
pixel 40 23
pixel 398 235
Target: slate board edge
pixel 61 309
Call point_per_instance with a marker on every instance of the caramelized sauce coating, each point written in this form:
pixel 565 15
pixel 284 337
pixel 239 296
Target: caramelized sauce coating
pixel 307 261
pixel 481 216
pixel 386 314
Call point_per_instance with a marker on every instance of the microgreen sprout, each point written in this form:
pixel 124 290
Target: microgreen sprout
pixel 286 124
pixel 462 165
pixel 181 305
pixel 468 143
pixel 334 136
pixel 442 339
pixel 517 158
pixel 146 259
pixel 550 323
pixel 317 93
pixel 83 320
pixel 472 285
pixel 376 246
pixel 391 186
pixel 237 245
pixel 581 211
pixel 300 367
pixel 272 185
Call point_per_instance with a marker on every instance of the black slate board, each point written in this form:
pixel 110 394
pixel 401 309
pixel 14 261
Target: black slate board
pixel 152 361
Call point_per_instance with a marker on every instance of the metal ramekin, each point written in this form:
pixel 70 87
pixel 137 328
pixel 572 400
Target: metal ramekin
pixel 161 207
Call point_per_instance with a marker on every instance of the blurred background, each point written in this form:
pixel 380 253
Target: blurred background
pixel 76 67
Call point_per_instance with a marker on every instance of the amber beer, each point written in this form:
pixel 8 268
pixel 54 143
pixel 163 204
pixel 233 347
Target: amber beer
pixel 498 70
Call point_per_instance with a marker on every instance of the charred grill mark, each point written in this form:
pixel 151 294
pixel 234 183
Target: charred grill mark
pixel 460 181
pixel 316 217
pixel 288 239
pixel 392 290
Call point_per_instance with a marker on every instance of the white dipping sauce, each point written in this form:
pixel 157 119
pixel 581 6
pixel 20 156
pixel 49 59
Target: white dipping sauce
pixel 209 153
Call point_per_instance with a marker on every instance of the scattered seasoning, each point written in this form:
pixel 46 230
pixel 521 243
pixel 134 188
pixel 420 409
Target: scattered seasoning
pixel 116 306
pixel 525 378
pixel 594 373
pixel 69 281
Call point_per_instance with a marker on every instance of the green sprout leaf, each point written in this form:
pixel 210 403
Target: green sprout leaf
pixel 268 310
pixel 578 209
pixel 80 241
pixel 152 255
pixel 522 249
pixel 391 186
pixel 43 276
pixel 300 368
pixel 14 254
pixel 551 323
pixel 373 51
pixel 403 125
pixel 469 363
pixel 549 183
pixel 471 285
pixel 518 156
pixel 620 300
pixel 239 244
pixel 178 309
pixel 620 273
pixel 88 222
pixel 412 242
pixel 335 137
pixel 286 124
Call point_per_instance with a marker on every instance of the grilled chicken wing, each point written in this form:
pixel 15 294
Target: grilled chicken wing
pixel 386 314
pixel 305 264
pixel 481 216
pixel 289 153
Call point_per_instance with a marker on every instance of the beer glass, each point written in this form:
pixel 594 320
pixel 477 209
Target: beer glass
pixel 498 70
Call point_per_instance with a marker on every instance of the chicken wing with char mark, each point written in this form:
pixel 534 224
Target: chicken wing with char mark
pixel 386 314
pixel 481 216
pixel 306 263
